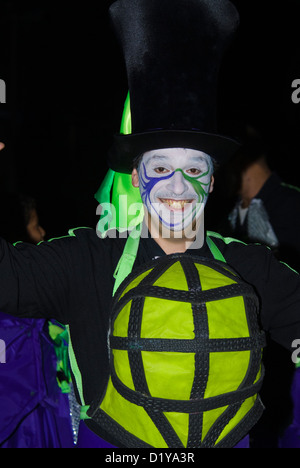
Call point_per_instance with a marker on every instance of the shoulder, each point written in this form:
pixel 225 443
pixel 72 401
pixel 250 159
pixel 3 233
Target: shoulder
pixel 289 196
pixel 79 233
pixel 235 250
pixel 84 241
pixel 290 190
pixel 254 262
pixel 85 235
pixel 285 196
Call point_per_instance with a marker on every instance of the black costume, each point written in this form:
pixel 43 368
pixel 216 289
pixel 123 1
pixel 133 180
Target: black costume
pixel 71 280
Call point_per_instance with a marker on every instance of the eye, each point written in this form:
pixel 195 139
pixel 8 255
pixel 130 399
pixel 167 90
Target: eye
pixel 161 170
pixel 193 171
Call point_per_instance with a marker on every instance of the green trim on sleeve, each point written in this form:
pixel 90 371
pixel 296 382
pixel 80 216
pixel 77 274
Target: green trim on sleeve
pixel 75 368
pixel 227 240
pixel 71 233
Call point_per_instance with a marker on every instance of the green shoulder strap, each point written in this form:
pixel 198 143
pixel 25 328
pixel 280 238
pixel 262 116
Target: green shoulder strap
pixel 214 249
pixel 127 259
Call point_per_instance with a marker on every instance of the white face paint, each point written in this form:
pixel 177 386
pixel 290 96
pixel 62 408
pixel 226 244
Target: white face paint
pixel 174 185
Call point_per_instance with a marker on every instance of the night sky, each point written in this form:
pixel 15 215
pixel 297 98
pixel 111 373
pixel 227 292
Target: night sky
pixel 66 85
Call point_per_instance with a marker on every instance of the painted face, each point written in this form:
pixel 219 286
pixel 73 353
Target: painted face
pixel 174 185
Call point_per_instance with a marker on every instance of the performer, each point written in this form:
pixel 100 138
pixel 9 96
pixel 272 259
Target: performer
pixel 184 361
pixel 35 377
pixel 267 210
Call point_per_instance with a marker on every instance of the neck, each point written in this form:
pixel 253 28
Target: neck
pixel 168 241
pixel 170 246
pixel 253 179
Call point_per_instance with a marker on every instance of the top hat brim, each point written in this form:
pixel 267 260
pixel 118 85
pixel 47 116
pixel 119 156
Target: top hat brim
pixel 126 148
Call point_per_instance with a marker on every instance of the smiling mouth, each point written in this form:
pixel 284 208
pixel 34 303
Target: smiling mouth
pixel 175 204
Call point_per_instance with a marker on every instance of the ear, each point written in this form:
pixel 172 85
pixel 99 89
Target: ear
pixel 135 178
pixel 212 181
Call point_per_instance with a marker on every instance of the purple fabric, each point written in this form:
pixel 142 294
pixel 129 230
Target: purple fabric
pixel 244 443
pixel 33 411
pixel 42 428
pixel 291 437
pixel 88 439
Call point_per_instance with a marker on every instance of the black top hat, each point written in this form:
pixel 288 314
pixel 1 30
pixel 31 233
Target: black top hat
pixel 173 51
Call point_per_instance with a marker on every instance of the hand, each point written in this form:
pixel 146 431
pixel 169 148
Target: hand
pixel 2 145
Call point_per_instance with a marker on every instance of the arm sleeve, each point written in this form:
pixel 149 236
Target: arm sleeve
pixel 277 286
pixel 280 293
pixel 35 281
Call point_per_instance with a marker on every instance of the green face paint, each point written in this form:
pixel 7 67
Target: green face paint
pixel 200 187
pixel 170 190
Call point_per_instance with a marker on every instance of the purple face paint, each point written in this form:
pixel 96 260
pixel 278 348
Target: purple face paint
pixel 174 185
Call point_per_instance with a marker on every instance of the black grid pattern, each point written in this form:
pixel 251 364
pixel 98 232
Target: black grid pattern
pixel 201 345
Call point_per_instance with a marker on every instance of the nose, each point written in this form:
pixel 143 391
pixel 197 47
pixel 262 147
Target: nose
pixel 177 183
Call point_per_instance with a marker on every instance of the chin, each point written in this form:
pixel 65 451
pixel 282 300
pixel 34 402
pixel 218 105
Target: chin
pixel 186 232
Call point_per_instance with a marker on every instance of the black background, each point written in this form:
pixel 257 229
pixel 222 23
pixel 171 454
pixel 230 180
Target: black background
pixel 66 85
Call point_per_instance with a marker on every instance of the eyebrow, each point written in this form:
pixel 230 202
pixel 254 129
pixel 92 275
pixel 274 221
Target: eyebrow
pixel 193 158
pixel 158 156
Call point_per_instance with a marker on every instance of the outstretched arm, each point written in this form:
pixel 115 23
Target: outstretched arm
pixel 35 280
